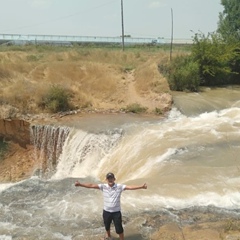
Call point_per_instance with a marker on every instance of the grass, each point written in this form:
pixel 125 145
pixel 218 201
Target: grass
pixel 89 47
pixel 90 74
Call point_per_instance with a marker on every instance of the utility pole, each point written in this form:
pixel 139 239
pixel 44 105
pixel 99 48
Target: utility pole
pixel 122 25
pixel 171 36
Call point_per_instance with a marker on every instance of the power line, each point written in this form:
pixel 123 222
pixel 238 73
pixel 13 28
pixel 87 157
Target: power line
pixel 61 18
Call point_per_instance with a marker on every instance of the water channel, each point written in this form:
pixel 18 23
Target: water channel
pixel 189 159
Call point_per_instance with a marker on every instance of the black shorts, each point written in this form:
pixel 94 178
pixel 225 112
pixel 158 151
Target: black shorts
pixel 116 217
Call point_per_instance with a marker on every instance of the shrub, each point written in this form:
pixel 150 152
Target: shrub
pixel 33 58
pixel 56 100
pixel 183 74
pixel 217 59
pixel 3 148
pixel 135 108
pixel 127 69
pixel 158 111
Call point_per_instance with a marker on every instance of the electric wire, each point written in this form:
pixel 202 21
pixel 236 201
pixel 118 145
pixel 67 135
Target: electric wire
pixel 61 18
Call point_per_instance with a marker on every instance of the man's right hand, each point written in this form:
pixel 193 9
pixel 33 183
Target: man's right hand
pixel 77 184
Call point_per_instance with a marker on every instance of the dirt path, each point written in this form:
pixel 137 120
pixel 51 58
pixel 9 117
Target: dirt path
pixel 133 96
pixel 150 100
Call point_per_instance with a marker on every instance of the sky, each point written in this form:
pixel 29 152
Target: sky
pixel 142 18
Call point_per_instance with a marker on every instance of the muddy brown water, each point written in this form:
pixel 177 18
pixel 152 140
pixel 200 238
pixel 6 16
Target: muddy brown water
pixel 189 159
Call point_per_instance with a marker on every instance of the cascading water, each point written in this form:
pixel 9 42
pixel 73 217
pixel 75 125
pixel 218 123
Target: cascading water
pixel 64 151
pixel 188 161
pixel 48 142
pixel 83 151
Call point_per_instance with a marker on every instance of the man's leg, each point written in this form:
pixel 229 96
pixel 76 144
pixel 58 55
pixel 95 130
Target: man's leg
pixel 107 219
pixel 117 220
pixel 121 236
pixel 108 233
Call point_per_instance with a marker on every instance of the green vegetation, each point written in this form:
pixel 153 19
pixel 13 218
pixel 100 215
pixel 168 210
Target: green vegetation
pixel 158 111
pixel 56 100
pixel 128 68
pixel 33 58
pixel 135 108
pixel 86 48
pixel 183 74
pixel 214 59
pixel 3 148
pixel 229 20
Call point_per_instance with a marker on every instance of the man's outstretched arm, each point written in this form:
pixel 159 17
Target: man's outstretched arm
pixel 144 186
pixel 86 185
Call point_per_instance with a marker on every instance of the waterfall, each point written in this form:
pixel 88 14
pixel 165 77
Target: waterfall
pixel 62 151
pixel 48 143
pixel 83 152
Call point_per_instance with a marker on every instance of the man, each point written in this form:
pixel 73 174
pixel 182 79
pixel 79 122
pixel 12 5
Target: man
pixel 112 207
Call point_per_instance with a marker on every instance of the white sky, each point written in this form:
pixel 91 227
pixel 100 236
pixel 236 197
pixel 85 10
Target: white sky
pixel 142 18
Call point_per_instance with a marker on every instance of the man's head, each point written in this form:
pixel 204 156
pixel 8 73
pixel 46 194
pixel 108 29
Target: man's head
pixel 110 175
pixel 110 179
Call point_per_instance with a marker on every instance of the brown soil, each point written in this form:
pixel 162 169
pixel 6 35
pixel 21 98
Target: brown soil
pixel 18 163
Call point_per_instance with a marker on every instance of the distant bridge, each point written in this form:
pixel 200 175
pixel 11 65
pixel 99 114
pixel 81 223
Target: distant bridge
pixel 68 40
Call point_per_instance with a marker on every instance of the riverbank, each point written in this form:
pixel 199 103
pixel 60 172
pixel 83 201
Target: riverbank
pixel 196 223
pixel 97 81
pixel 199 223
pixel 205 223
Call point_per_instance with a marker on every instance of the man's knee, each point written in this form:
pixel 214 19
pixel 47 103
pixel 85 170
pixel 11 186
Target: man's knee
pixel 119 231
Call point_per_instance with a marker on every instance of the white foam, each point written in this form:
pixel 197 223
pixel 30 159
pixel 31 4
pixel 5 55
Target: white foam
pixel 226 201
pixel 166 155
pixel 82 151
pixel 5 237
pixel 5 186
pixel 175 114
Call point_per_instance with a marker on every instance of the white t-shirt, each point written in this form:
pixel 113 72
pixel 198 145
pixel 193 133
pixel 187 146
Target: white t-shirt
pixel 111 196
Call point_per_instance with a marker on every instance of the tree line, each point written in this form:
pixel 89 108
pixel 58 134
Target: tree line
pixel 214 58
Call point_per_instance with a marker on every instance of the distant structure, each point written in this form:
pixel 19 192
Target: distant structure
pixel 19 39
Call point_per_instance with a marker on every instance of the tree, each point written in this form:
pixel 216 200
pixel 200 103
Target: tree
pixel 215 59
pixel 229 20
pixel 182 73
pixel 229 29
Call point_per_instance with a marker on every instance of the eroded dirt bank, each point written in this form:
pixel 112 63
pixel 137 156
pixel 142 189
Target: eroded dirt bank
pixel 18 161
pixel 15 130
